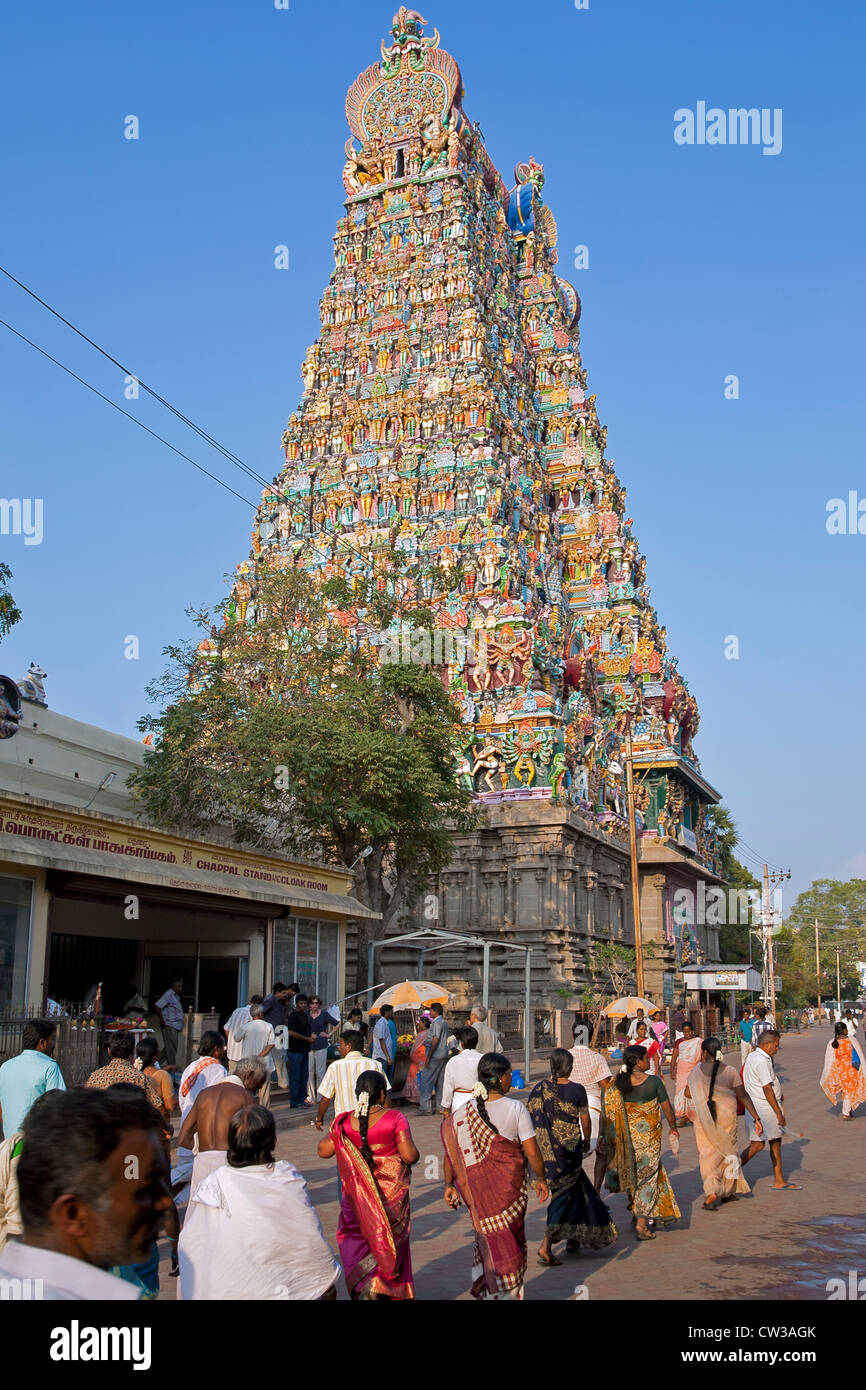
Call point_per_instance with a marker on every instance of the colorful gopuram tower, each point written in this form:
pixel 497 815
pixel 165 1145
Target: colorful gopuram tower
pixel 446 415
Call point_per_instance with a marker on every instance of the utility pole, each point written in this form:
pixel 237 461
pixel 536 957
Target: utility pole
pixel 768 935
pixel 838 980
pixel 632 837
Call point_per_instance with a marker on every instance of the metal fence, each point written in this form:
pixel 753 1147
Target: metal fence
pixel 80 1046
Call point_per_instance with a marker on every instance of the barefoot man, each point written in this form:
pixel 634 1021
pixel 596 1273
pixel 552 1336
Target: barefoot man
pixel 210 1115
pixel 765 1092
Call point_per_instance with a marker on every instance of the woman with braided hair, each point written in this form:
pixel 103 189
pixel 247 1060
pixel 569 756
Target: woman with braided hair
pixel 633 1109
pixel 488 1142
pixel 375 1156
pixel 560 1113
pixel 714 1090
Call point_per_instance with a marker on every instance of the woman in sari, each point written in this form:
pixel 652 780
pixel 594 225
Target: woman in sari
pixel 843 1072
pixel 687 1055
pixel 488 1142
pixel 714 1090
pixel 633 1109
pixel 560 1113
pixel 644 1038
pixel 416 1059
pixel 375 1155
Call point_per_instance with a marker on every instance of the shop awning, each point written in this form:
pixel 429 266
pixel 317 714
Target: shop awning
pixel 260 884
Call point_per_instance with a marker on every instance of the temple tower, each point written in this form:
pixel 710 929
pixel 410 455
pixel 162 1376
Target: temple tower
pixel 445 414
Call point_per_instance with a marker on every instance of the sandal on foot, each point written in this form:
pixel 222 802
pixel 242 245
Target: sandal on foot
pixel 794 1186
pixel 549 1263
pixel 712 1206
pixel 645 1235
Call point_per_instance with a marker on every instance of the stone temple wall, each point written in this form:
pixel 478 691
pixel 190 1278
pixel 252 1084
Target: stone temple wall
pixel 533 875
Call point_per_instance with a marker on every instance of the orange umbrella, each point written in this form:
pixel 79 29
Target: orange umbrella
pixel 412 994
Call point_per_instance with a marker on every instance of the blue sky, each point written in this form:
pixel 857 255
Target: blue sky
pixel 703 262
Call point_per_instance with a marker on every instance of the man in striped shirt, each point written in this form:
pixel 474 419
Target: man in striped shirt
pixel 339 1080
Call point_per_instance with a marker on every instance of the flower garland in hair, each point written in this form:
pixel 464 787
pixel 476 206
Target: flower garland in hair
pixel 363 1106
pixel 139 1064
pixel 479 1091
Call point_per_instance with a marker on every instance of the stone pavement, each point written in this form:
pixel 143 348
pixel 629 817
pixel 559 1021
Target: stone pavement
pixel 770 1244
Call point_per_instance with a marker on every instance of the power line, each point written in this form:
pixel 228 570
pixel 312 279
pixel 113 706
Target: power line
pixel 227 453
pixel 129 416
pixel 759 858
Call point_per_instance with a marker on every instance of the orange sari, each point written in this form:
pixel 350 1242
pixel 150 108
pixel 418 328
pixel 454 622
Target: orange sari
pixel 844 1074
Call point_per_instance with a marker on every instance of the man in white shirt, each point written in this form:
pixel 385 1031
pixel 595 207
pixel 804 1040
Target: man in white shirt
pixel 338 1083
pixel 93 1190
pixel 258 1039
pixel 206 1070
pixel 461 1073
pixel 241 1016
pixel 639 1018
pixel 765 1092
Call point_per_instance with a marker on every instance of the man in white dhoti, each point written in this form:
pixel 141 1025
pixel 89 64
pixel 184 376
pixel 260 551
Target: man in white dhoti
pixel 251 1231
pixel 765 1092
pixel 591 1071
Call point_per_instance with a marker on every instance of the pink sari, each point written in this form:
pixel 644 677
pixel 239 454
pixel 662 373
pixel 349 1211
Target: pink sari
pixel 373 1230
pixel 688 1055
pixel 410 1090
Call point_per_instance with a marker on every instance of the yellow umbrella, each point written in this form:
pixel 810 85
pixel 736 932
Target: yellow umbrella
pixel 412 994
pixel 628 1006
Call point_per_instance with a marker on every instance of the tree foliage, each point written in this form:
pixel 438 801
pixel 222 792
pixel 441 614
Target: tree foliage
pixel 733 936
pixel 10 614
pixel 288 730
pixel 839 907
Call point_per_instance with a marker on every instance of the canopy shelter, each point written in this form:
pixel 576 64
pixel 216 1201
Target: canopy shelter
pixel 439 940
pixel 411 994
pixel 628 1005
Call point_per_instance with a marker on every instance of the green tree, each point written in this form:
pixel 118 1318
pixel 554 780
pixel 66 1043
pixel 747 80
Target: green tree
pixel 9 612
pixel 839 907
pixel 287 729
pixel 611 969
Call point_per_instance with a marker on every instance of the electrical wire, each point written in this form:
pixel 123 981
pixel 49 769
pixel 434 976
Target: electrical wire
pixel 227 453
pixel 129 416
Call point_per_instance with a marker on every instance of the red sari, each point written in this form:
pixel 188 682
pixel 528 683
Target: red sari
pixel 492 1185
pixel 373 1230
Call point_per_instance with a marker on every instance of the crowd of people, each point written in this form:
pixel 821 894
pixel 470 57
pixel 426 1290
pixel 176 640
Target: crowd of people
pixel 83 1211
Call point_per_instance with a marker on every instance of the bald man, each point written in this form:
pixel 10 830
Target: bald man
pixel 210 1116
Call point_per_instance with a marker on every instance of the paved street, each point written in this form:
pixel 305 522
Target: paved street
pixel 768 1245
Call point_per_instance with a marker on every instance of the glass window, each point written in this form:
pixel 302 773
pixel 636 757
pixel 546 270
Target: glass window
pixel 327 985
pixel 284 952
pixel 308 933
pixel 307 950
pixel 16 895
